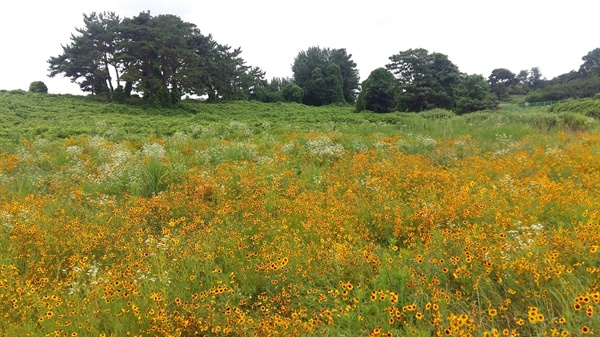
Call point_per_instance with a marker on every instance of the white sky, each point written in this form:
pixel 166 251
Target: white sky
pixel 477 35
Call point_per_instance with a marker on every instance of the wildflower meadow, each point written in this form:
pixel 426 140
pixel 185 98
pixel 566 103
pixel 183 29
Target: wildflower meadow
pixel 296 221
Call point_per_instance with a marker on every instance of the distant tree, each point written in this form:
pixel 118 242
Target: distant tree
pixel 575 84
pixel 473 94
pixel 591 63
pixel 425 81
pixel 91 55
pixel 522 76
pixel 119 94
pixel 535 80
pixel 38 86
pixel 277 83
pixel 501 81
pixel 153 55
pixel 315 89
pixel 318 71
pixel 378 92
pixel 335 83
pixel 158 55
pixel 350 78
pixel 292 93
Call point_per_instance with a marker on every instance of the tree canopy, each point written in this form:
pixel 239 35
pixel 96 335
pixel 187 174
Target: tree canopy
pixel 585 82
pixel 378 92
pixel 326 76
pixel 38 86
pixel 425 81
pixel 160 57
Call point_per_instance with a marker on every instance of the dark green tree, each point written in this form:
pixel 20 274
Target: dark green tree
pixel 335 84
pixel 315 90
pixel 501 81
pixel 591 63
pixel 277 83
pixel 89 60
pixel 316 83
pixel 350 78
pixel 378 92
pixel 119 94
pixel 158 55
pixel 425 81
pixel 152 54
pixel 38 86
pixel 292 93
pixel 535 80
pixel 575 84
pixel 473 94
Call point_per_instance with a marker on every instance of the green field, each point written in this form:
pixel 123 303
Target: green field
pixel 255 219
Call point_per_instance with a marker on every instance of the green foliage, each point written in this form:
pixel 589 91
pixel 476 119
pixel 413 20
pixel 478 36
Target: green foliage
pixel 320 72
pixel 588 106
pixel 437 114
pixel 574 84
pixel 591 63
pixel 378 92
pixel 292 93
pixel 571 88
pixel 473 94
pixel 26 116
pixel 119 94
pixel 91 55
pixel 501 82
pixel 425 81
pixel 149 53
pixel 335 83
pixel 162 99
pixel 38 86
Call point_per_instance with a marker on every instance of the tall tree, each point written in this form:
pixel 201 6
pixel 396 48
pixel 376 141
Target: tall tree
pixel 378 92
pixel 425 80
pixel 501 81
pixel 158 54
pixel 473 94
pixel 348 71
pixel 317 69
pixel 89 60
pixel 535 80
pixel 161 57
pixel 591 63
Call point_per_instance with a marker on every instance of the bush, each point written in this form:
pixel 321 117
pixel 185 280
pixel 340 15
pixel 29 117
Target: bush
pixel 575 121
pixel 119 95
pixel 588 107
pixel 38 86
pixel 437 114
pixel 293 93
pixel 378 92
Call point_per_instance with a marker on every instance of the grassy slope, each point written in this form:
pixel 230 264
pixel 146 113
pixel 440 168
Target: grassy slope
pixel 33 116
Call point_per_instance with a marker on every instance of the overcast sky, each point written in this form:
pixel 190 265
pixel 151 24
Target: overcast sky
pixel 477 35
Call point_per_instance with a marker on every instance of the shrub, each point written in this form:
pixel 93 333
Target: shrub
pixel 437 114
pixel 293 93
pixel 38 86
pixel 588 107
pixel 119 95
pixel 378 92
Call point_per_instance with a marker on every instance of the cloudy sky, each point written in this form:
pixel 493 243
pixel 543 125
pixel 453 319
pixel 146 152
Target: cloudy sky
pixel 477 35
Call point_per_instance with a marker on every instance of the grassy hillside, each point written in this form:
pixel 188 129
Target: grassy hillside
pixel 250 219
pixel 36 116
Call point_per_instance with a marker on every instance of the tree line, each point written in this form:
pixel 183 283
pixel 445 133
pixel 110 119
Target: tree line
pixel 163 58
